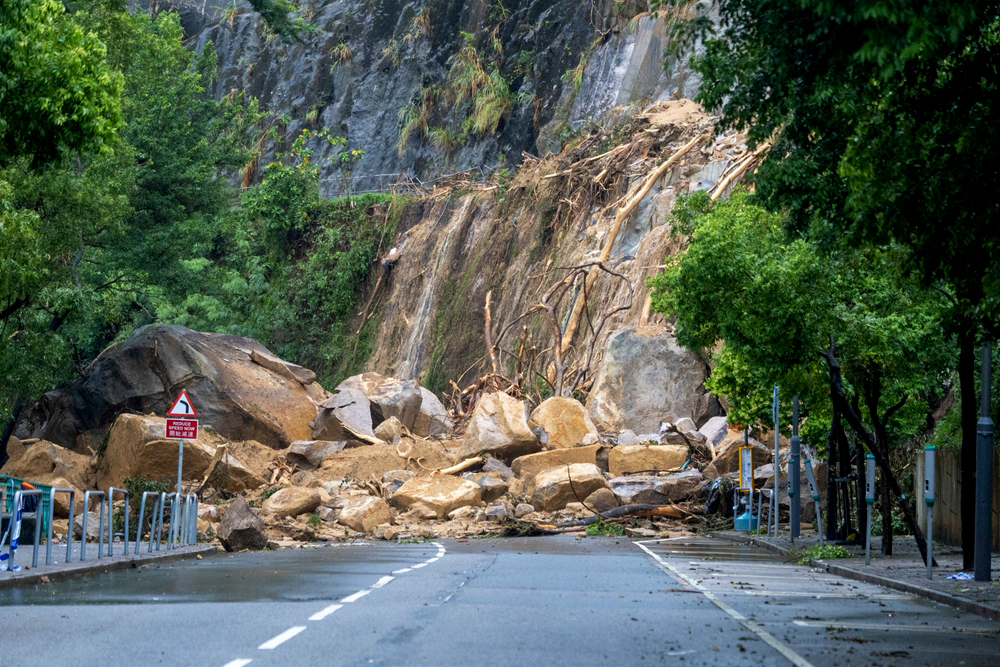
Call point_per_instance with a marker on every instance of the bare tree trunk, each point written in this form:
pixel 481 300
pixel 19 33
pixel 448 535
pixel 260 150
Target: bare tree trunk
pixel 833 451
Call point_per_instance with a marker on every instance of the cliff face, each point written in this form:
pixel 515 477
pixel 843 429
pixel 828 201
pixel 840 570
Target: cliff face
pixel 557 66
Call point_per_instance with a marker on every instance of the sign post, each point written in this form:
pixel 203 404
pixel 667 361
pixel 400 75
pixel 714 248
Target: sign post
pixel 794 499
pixel 776 415
pixel 181 426
pixel 869 500
pixel 746 521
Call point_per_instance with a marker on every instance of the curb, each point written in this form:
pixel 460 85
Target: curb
pixel 18 580
pixel 961 603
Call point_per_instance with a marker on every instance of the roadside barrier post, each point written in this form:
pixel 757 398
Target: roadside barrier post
pixel 100 533
pixel 146 495
pixel 69 537
pixel 929 500
pixel 815 496
pixel 111 515
pixel 870 501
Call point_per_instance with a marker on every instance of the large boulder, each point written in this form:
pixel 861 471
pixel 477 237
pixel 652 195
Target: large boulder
pixel 15 449
pixel 645 376
pixel 641 489
pixel 347 414
pixel 388 397
pixel 681 485
pixel 48 463
pixel 562 422
pixel 292 501
pixel 376 460
pixel 625 459
pixel 136 447
pixel 440 494
pixel 529 465
pixel 240 528
pixel 492 485
pixel 498 427
pixel 238 398
pixel 715 430
pixel 553 489
pixel 432 420
pixel 365 513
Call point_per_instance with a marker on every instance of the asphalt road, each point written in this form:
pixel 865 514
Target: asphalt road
pixel 532 601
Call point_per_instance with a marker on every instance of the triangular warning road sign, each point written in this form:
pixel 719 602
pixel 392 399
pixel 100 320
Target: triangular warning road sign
pixel 182 407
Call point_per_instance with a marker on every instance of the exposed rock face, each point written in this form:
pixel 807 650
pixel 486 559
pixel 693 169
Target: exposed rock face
pixel 292 501
pixel 364 513
pixel 312 453
pixel 602 500
pixel 553 489
pixel 45 463
pixel 440 495
pixel 644 377
pixel 240 528
pixel 238 398
pixel 136 447
pixel 530 465
pixel 498 427
pixel 432 419
pixel 680 486
pixel 563 422
pixel 625 459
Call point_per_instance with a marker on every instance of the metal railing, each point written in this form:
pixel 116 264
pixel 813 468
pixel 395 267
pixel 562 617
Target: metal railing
pixel 183 520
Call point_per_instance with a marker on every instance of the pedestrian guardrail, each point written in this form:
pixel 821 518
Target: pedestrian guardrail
pixel 183 521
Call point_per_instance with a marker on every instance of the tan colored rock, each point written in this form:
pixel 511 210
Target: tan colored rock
pixel 343 416
pixel 364 514
pixel 88 442
pixel 552 489
pixel 292 501
pixel 44 462
pixel 136 447
pixel 492 485
pixel 562 422
pixel 313 453
pixel 15 450
pixel 389 397
pixel 240 528
pixel 376 460
pixel 391 430
pixel 530 465
pixel 626 459
pixel 281 367
pixel 515 488
pixel 60 505
pixel 602 500
pixel 441 494
pixel 498 427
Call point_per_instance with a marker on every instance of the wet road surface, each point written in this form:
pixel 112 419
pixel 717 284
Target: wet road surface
pixel 535 601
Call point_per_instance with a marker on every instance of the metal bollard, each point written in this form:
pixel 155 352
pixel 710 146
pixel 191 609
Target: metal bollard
pixel 48 535
pixel 192 523
pixel 111 513
pixel 870 501
pixel 159 525
pixel 19 496
pixel 100 534
pixel 146 495
pixel 929 501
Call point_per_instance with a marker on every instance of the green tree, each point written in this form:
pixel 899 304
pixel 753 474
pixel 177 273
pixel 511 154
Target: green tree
pixel 57 93
pixel 777 304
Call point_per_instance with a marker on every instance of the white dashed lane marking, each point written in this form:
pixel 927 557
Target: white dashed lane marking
pixel 354 597
pixel 320 615
pixel 323 613
pixel 282 638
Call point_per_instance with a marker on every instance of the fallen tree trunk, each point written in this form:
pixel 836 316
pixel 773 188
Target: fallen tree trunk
pixel 671 511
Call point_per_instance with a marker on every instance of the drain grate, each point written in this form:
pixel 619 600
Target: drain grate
pixel 713 550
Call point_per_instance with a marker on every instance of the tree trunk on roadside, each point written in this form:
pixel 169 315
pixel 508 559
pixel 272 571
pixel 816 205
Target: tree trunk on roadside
pixel 886 521
pixel 8 429
pixel 837 395
pixel 833 451
pixel 967 384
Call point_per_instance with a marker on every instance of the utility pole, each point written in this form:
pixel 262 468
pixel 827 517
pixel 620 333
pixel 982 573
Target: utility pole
pixel 984 475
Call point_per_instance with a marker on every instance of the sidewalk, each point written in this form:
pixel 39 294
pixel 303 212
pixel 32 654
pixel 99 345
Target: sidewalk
pixel 903 571
pixel 60 569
